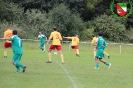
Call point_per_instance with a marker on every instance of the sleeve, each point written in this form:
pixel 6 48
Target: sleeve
pixel 69 37
pixel 105 44
pixel 11 39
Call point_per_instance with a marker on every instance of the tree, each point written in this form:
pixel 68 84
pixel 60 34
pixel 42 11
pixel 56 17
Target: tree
pixel 112 29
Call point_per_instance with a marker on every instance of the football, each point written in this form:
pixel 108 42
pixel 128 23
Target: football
pixel 55 53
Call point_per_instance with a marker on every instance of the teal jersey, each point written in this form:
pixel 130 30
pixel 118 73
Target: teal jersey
pixel 101 43
pixel 42 38
pixel 16 44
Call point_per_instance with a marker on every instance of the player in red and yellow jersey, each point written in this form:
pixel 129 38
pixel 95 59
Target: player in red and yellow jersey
pixel 7 43
pixel 56 44
pixel 74 44
pixel 93 42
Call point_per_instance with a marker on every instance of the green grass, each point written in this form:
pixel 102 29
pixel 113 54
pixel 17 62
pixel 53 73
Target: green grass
pixel 77 72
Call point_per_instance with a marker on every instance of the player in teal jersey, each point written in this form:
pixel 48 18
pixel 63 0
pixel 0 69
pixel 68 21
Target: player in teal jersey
pixel 101 44
pixel 43 40
pixel 17 51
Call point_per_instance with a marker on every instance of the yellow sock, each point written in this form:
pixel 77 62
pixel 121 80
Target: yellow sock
pixel 77 51
pixel 74 50
pixel 106 53
pixel 94 53
pixel 5 53
pixel 49 56
pixel 62 58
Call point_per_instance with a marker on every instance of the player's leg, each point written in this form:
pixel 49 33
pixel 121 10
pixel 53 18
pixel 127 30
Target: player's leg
pixel 94 51
pixel 97 56
pixel 14 59
pixel 106 63
pixel 17 60
pixel 103 61
pixel 59 48
pixel 77 52
pixel 42 46
pixel 52 47
pixel 72 47
pixel 18 69
pixel 5 51
pixel 97 63
pixel 107 54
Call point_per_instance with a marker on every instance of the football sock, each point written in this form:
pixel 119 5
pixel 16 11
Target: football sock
pixel 5 53
pixel 19 65
pixel 107 63
pixel 106 53
pixel 74 51
pixel 42 48
pixel 49 56
pixel 77 51
pixel 18 69
pixel 97 65
pixel 62 58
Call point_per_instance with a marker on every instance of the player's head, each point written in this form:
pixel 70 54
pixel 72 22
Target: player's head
pixel 40 32
pixel 55 28
pixel 8 27
pixel 14 32
pixel 93 35
pixel 76 35
pixel 100 34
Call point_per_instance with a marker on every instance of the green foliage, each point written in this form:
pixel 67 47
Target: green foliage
pixel 70 17
pixel 87 34
pixel 112 29
pixel 68 24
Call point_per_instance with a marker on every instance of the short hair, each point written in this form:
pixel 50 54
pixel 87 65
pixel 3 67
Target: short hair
pixel 93 35
pixel 15 32
pixel 100 33
pixel 8 26
pixel 55 28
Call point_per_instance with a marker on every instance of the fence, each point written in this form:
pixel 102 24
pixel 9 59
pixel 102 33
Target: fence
pixel 112 47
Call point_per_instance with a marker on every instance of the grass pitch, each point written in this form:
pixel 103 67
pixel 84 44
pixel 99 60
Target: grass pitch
pixel 77 72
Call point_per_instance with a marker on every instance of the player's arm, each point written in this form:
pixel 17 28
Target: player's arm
pixel 104 44
pixel 68 37
pixel 51 36
pixel 93 41
pixel 46 39
pixel 78 40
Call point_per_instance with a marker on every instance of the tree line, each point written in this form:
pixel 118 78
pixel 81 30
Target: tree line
pixel 82 17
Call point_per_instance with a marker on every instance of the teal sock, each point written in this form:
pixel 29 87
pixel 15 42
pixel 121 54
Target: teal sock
pixel 19 65
pixel 97 65
pixel 18 69
pixel 107 63
pixel 42 48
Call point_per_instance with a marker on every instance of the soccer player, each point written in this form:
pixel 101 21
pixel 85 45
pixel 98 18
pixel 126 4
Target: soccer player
pixel 101 44
pixel 74 45
pixel 43 40
pixel 7 43
pixel 17 51
pixel 56 44
pixel 93 42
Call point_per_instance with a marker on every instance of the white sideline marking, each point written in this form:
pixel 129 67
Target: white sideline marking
pixel 68 75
